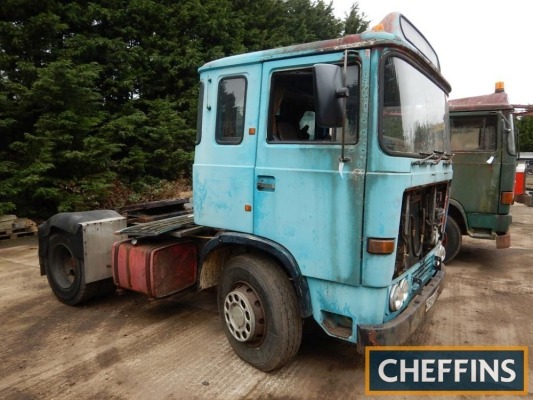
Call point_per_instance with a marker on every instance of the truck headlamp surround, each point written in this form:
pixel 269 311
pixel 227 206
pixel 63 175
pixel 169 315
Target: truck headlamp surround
pixel 398 295
pixel 440 252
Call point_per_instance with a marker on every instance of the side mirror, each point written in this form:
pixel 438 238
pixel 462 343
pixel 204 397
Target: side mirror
pixel 329 95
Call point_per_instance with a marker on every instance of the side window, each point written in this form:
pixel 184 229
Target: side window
pixel 200 113
pixel 231 101
pixel 292 109
pixel 473 133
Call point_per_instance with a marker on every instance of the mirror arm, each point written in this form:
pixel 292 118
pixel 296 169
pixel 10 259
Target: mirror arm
pixel 508 127
pixel 343 92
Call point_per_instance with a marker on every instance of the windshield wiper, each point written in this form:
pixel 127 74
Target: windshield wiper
pixel 433 158
pixel 448 157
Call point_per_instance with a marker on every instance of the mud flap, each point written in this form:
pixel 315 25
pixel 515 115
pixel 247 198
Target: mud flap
pixel 503 241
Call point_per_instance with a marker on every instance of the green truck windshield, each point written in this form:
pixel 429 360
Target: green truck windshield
pixel 474 133
pixel 479 133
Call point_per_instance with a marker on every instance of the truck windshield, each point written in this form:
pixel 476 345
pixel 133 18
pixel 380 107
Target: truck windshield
pixel 414 111
pixel 476 133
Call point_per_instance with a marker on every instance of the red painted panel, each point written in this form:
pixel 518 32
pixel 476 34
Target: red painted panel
pixel 520 180
pixel 156 269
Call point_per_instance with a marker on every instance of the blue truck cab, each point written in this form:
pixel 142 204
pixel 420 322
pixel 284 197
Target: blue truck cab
pixel 330 162
pixel 320 189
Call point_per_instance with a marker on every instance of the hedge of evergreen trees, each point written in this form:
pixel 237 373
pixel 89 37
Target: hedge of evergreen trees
pixel 524 125
pixel 98 98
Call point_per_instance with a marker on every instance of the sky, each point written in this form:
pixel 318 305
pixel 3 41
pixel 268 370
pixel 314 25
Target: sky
pixel 479 42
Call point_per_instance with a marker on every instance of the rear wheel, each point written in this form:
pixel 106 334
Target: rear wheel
pixel 259 312
pixel 66 275
pixel 452 239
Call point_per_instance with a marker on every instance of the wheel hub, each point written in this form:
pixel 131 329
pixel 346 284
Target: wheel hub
pixel 65 265
pixel 243 314
pixel 69 266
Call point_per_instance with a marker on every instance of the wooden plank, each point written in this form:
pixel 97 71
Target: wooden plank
pixel 156 228
pixel 5 235
pixel 152 204
pixel 193 230
pixel 143 218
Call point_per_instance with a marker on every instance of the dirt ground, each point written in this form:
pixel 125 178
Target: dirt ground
pixel 129 347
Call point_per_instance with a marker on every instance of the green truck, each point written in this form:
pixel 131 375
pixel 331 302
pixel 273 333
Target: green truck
pixel 483 141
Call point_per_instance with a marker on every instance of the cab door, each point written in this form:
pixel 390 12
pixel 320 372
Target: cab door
pixel 223 171
pixel 303 199
pixel 477 162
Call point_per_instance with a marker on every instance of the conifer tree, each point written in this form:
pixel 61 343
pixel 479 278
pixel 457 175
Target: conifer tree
pixel 98 95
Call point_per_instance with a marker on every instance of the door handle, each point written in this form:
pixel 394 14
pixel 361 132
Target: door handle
pixel 266 183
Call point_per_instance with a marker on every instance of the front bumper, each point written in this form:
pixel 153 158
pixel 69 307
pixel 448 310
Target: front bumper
pixel 398 330
pixel 479 224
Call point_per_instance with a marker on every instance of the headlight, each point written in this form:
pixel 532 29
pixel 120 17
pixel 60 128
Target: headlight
pixel 398 294
pixel 440 252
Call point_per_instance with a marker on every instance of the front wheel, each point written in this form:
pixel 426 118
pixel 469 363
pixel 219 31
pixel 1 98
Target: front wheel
pixel 259 312
pixel 452 239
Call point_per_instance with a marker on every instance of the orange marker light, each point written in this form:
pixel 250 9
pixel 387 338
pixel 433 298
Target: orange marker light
pixel 506 197
pixel 499 87
pixel 379 28
pixel 251 131
pixel 247 207
pixel 380 246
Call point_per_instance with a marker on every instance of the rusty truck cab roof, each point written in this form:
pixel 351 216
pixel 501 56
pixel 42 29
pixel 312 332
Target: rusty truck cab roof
pixel 491 102
pixel 394 30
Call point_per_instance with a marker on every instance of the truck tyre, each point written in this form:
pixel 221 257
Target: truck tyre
pixel 452 239
pixel 66 275
pixel 259 312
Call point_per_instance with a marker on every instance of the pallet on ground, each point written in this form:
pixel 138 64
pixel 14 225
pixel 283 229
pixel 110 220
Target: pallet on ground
pixel 12 227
